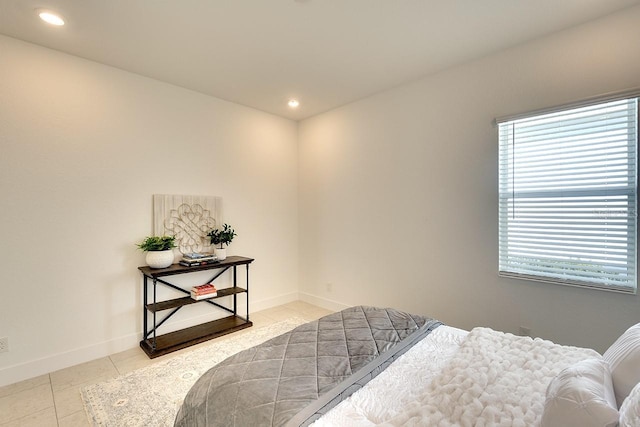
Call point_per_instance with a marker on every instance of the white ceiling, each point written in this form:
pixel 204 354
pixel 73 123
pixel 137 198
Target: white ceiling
pixel 260 53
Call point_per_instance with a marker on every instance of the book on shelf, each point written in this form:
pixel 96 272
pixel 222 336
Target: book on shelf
pixel 203 258
pixel 194 256
pixel 198 297
pixel 187 263
pixel 208 290
pixel 207 287
pixel 192 261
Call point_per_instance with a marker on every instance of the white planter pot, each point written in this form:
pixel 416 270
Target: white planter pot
pixel 160 259
pixel 221 254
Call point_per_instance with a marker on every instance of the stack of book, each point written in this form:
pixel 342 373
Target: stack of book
pixel 203 291
pixel 190 260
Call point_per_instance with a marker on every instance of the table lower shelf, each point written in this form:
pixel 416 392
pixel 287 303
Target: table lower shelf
pixel 177 340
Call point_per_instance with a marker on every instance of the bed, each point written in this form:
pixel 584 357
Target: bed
pixel 368 366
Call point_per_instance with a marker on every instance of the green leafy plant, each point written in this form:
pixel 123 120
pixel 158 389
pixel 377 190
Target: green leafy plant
pixel 157 243
pixel 222 237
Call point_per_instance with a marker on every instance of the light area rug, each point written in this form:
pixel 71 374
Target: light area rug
pixel 151 396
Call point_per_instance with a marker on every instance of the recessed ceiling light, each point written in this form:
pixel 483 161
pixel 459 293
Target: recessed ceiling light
pixel 50 17
pixel 293 103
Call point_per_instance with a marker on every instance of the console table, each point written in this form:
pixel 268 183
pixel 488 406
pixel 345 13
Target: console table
pixel 155 345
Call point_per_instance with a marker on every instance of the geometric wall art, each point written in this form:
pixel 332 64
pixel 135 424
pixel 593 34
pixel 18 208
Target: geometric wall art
pixel 189 218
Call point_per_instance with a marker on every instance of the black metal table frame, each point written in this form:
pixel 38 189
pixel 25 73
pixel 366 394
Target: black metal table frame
pixel 155 276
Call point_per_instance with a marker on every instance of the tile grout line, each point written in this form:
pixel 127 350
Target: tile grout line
pixel 115 365
pixel 53 405
pixel 53 398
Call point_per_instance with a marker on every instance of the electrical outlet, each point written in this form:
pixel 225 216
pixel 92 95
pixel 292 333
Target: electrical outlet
pixel 4 344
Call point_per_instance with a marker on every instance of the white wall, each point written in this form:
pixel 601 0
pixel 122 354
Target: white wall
pixel 398 192
pixel 397 195
pixel 83 148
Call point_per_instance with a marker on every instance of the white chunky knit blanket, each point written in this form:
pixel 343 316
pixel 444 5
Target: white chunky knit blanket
pixel 494 379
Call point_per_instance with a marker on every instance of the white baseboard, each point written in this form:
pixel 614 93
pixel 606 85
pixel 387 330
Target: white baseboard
pixel 323 302
pixel 266 303
pixel 55 362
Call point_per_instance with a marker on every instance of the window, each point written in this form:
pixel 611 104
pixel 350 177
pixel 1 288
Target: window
pixel 567 195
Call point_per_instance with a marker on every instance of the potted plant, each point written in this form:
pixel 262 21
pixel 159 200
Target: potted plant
pixel 159 250
pixel 221 237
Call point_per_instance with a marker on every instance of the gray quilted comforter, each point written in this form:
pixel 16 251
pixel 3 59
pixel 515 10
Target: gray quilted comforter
pixel 296 377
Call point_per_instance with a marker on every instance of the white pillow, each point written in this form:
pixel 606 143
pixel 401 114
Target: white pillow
pixel 581 396
pixel 630 409
pixel 624 360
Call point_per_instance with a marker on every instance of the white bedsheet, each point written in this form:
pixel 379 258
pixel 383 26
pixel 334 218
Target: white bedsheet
pixel 397 385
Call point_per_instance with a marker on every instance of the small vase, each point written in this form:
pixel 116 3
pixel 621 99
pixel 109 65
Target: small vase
pixel 221 254
pixel 160 259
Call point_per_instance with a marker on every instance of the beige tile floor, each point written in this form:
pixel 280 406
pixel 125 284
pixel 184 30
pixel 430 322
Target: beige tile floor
pixel 54 399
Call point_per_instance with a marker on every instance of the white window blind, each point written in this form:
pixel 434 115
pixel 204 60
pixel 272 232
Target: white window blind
pixel 567 190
